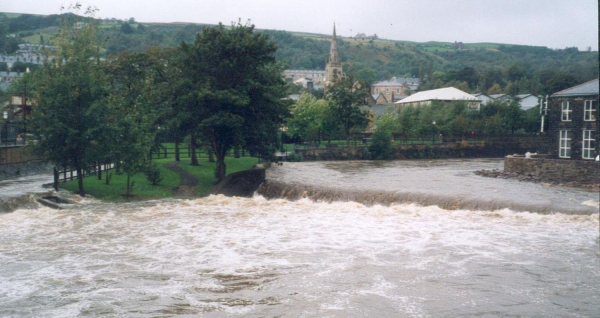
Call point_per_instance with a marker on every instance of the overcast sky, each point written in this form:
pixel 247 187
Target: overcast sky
pixel 552 23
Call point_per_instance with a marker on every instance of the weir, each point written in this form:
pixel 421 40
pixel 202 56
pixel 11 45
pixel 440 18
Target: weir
pixel 449 184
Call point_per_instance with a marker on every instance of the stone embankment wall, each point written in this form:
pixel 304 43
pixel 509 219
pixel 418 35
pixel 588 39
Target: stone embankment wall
pixel 241 183
pixel 495 149
pixel 554 170
pixel 19 161
pixel 16 154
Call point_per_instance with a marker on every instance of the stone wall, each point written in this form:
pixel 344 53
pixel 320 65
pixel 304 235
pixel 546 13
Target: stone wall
pixel 241 183
pixel 15 154
pixel 554 170
pixel 489 149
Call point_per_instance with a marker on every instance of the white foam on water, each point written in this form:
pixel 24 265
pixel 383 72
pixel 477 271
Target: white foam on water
pixel 592 203
pixel 261 257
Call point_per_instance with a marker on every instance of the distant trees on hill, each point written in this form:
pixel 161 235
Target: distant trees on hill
pixel 509 69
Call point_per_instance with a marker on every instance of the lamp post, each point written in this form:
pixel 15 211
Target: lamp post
pixel 433 132
pixel 25 107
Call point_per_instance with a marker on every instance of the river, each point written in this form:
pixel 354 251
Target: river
pixel 306 253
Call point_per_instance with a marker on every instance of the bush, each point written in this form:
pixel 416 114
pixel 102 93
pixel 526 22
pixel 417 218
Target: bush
pixel 295 157
pixel 381 146
pixel 153 174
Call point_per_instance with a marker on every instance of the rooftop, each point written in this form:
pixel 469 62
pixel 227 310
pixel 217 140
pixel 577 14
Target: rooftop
pixel 398 81
pixel 587 88
pixel 445 94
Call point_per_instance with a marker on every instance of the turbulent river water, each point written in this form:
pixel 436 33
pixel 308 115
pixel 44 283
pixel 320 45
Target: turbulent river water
pixel 305 252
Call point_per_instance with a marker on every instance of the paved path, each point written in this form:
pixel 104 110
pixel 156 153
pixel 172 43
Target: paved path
pixel 188 183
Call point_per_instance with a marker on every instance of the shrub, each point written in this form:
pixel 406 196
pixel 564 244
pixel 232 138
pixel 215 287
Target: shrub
pixel 381 146
pixel 295 157
pixel 153 174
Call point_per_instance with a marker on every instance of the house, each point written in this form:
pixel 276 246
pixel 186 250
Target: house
pixel 527 101
pixel 380 99
pixel 396 88
pixel 11 118
pixel 447 94
pixel 485 99
pixel 502 98
pixel 317 76
pixel 6 78
pixel 573 122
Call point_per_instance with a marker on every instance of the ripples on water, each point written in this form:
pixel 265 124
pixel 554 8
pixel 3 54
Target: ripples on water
pixel 257 257
pixel 254 257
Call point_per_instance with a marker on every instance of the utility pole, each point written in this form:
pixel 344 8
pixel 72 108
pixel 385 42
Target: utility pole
pixel 543 110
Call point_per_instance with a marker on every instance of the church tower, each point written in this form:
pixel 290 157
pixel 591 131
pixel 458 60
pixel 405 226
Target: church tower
pixel 333 70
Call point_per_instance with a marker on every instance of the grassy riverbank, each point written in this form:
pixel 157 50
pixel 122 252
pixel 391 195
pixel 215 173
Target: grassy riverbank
pixel 144 190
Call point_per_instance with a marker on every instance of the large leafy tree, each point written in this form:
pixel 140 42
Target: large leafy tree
pixel 69 90
pixel 345 99
pixel 132 111
pixel 235 91
pixel 308 119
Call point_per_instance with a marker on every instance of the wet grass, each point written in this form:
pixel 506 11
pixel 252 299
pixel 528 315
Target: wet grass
pixel 144 190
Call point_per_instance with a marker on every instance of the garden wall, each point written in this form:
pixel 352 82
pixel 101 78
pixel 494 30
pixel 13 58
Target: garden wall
pixel 554 170
pixel 488 149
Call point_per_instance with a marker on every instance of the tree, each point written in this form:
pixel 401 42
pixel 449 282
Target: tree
pixel 237 90
pixel 308 117
pixel 381 145
pixel 133 108
pixel 495 89
pixel 345 99
pixel 69 93
pixel 126 28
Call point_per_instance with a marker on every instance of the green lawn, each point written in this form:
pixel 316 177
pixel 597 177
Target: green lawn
pixel 143 190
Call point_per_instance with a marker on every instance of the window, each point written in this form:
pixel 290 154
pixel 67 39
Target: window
pixel 588 111
pixel 398 90
pixel 377 91
pixel 387 90
pixel 564 150
pixel 589 144
pixel 566 111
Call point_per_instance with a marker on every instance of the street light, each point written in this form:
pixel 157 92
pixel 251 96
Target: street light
pixel 433 132
pixel 25 107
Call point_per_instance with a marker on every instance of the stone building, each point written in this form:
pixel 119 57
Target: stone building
pixel 333 69
pixel 396 88
pixel 317 76
pixel 573 122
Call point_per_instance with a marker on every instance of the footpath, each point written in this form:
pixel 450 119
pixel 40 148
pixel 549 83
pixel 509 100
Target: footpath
pixel 187 187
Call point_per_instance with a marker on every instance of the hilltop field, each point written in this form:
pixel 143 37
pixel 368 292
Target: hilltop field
pixel 473 67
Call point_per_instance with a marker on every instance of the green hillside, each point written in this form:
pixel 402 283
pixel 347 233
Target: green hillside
pixel 471 67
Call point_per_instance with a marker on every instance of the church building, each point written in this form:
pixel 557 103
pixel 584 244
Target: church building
pixel 333 69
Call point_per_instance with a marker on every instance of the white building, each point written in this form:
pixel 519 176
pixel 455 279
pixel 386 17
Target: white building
pixel 527 101
pixel 447 94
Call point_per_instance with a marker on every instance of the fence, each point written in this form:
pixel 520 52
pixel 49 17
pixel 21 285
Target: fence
pixel 66 173
pixel 365 140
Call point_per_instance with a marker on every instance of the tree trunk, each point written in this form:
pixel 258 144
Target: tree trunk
pixel 177 151
pixel 80 181
pixel 193 150
pixel 220 170
pixel 128 192
pixel 236 151
pixel 211 155
pixel 99 171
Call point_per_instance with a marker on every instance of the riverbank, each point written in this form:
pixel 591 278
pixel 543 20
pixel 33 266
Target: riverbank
pixel 170 185
pixel 536 179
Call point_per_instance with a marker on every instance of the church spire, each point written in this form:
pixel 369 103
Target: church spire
pixel 333 54
pixel 333 69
